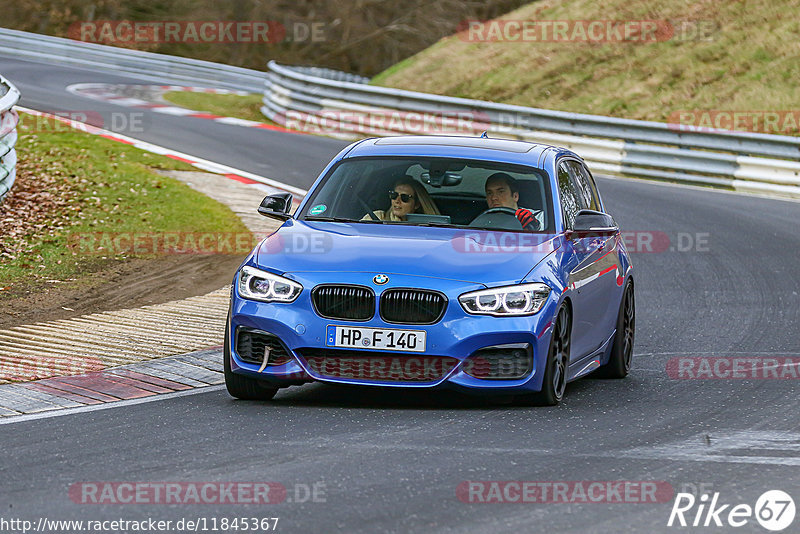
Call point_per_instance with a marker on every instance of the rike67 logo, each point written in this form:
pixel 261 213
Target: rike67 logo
pixel 774 510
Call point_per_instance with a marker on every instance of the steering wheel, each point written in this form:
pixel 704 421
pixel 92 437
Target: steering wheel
pixel 501 209
pixel 501 218
pixel 367 208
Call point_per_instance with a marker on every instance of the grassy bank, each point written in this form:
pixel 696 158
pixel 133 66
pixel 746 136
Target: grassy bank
pixel 723 55
pixel 73 184
pixel 243 107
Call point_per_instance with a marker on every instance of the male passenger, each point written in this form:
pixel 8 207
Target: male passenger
pixel 502 191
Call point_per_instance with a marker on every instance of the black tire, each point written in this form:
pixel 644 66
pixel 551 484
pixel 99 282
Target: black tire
pixel 239 386
pixel 554 382
pixel 619 363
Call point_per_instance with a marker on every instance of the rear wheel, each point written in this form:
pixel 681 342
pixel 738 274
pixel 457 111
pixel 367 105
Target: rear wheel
pixel 243 387
pixel 554 382
pixel 619 363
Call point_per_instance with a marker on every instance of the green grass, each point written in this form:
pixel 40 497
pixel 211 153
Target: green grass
pixel 747 62
pixel 391 71
pixel 100 186
pixel 242 107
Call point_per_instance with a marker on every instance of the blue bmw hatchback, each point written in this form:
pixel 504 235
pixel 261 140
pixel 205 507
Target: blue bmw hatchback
pixel 485 265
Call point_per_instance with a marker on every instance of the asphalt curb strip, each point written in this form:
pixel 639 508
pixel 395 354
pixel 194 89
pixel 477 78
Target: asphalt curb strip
pixel 133 381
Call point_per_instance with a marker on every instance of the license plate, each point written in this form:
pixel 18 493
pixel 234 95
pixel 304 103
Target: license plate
pixel 375 338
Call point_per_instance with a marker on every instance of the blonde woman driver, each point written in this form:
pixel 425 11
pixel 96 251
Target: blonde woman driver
pixel 407 196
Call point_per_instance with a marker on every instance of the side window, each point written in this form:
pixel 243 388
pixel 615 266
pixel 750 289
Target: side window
pixel 585 185
pixel 593 186
pixel 571 202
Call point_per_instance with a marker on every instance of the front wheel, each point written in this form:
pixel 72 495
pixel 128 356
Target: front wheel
pixel 619 363
pixel 242 387
pixel 554 382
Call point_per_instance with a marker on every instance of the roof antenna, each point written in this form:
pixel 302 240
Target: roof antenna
pixel 485 134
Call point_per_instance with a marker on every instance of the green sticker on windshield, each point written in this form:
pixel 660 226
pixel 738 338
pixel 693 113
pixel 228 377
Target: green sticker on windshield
pixel 316 210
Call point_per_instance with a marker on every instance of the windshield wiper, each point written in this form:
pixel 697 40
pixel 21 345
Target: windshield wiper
pixel 442 225
pixel 328 219
pixel 339 219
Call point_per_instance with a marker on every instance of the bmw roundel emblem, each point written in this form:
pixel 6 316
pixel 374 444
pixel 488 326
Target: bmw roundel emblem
pixel 380 279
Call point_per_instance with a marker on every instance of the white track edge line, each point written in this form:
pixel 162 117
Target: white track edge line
pixel 11 419
pixel 144 145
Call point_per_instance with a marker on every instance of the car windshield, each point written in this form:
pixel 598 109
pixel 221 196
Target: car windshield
pixel 433 192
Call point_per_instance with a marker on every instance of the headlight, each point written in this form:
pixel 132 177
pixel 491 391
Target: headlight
pixel 523 299
pixel 255 284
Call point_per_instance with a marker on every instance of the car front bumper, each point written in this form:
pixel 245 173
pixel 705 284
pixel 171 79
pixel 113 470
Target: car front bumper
pixel 454 339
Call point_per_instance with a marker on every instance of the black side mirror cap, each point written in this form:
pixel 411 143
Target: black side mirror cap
pixel 276 206
pixel 594 222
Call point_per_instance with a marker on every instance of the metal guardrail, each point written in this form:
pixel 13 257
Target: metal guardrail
pixel 145 65
pixel 331 74
pixel 9 96
pixel 753 162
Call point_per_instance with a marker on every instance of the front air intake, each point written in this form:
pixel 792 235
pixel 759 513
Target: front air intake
pixel 251 346
pixel 502 362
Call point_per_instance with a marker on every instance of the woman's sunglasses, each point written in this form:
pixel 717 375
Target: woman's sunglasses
pixel 403 196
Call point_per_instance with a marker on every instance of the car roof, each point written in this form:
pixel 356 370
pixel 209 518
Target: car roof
pixel 479 148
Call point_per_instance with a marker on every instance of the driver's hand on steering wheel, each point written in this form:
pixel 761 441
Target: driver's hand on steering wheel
pixel 527 219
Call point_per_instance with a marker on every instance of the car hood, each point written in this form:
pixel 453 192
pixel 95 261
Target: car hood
pixel 475 256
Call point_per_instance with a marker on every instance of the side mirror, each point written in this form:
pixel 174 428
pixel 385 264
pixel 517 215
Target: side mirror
pixel 276 206
pixel 594 222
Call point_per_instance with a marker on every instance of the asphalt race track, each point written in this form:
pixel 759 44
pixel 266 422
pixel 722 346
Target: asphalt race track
pixel 298 161
pixel 393 460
